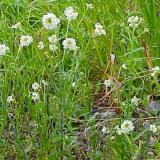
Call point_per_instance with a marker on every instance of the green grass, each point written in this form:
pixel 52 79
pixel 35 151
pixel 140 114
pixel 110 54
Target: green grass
pixel 48 129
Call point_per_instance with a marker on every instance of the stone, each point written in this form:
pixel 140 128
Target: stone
pixel 154 107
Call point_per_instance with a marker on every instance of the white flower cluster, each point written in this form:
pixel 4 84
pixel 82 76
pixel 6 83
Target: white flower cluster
pixel 135 101
pixel 25 40
pixel 124 66
pixel 125 128
pixel 99 30
pixel 44 82
pixel 36 86
pixel 41 45
pixel 53 43
pixel 108 83
pixel 53 39
pixel 70 44
pixel 50 21
pixel 155 70
pixel 89 6
pixel 35 95
pixel 10 98
pixel 16 26
pixel 53 47
pixel 153 128
pixel 134 21
pixel 3 49
pixel 70 13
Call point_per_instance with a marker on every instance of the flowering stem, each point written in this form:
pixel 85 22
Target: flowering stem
pixel 14 33
pixel 82 18
pixel 17 56
pixel 67 29
pixel 62 133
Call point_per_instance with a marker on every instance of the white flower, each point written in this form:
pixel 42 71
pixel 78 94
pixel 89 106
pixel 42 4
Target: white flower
pixel 99 30
pixel 134 21
pixel 36 86
pixel 25 40
pixel 70 13
pixel 52 39
pixel 118 130
pixel 3 49
pixel 104 130
pixel 69 43
pixel 50 21
pixel 127 126
pixel 122 24
pixel 89 6
pixel 44 82
pixel 146 30
pixel 153 128
pixel 123 40
pixel 53 47
pixel 16 26
pixel 35 96
pixel 10 99
pixel 41 45
pixel 73 84
pixel 155 70
pixel 124 66
pixel 135 101
pixel 108 83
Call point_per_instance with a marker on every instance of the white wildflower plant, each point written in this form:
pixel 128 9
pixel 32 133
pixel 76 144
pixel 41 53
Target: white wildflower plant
pixel 73 84
pixel 10 98
pixel 50 21
pixel 70 13
pixel 135 101
pixel 16 26
pixel 53 47
pixel 99 30
pixel 44 82
pixel 123 40
pixel 25 40
pixel 35 96
pixel 70 44
pixel 41 45
pixel 89 6
pixel 53 43
pixel 153 128
pixel 108 83
pixel 36 86
pixel 146 30
pixel 155 70
pixel 53 39
pixel 134 21
pixel 124 66
pixel 118 130
pixel 125 128
pixel 3 49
